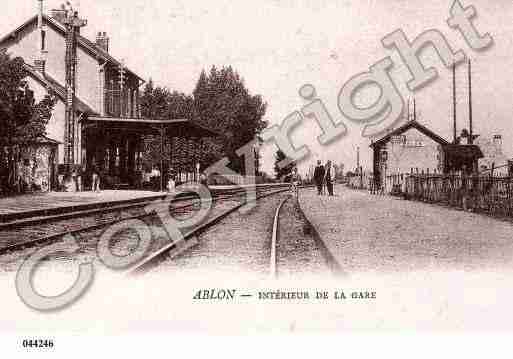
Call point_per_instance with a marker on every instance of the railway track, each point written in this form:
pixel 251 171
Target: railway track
pixel 203 241
pixel 189 239
pixel 286 242
pixel 57 226
pixel 294 249
pixel 274 239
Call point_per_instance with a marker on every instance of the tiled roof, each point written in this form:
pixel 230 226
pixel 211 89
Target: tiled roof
pixel 411 124
pixel 86 44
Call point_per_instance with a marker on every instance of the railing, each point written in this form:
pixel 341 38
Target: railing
pixel 120 104
pixel 493 195
pixel 360 181
pixel 395 183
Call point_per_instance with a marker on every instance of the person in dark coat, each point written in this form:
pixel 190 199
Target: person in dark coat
pixel 319 177
pixel 329 177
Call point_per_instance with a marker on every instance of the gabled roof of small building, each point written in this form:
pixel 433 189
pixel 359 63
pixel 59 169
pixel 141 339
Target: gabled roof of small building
pixel 410 124
pixel 87 45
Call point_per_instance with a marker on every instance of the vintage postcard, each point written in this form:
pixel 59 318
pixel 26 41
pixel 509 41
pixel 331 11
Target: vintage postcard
pixel 255 167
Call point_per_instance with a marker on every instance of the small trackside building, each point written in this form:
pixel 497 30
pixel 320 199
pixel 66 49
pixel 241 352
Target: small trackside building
pixel 411 147
pixel 414 148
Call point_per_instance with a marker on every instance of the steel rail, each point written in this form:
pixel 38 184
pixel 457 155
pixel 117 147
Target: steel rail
pixel 132 203
pixel 274 239
pixel 55 236
pixel 189 239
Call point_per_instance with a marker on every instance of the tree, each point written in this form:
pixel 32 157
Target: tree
pixel 282 173
pixel 22 119
pixel 220 101
pixel 159 103
pixel 223 103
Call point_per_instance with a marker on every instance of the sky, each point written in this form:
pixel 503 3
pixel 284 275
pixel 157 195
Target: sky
pixel 279 45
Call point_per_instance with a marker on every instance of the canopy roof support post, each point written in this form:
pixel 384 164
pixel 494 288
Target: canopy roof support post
pixel 161 157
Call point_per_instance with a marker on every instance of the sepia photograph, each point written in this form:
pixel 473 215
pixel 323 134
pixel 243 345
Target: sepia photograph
pixel 235 168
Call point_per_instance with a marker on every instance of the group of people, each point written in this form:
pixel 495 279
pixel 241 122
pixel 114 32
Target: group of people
pixel 324 176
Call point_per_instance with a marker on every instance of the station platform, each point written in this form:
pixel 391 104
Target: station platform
pixel 31 208
pixel 54 203
pixel 368 233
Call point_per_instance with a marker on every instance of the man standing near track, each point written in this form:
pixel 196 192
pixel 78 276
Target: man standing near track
pixel 319 177
pixel 329 177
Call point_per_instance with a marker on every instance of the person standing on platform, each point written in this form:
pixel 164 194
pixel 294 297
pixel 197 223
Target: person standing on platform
pixel 146 180
pixel 319 177
pixel 171 184
pixel 329 177
pixel 155 178
pixel 96 179
pixel 155 172
pixel 81 178
pixel 204 179
pixel 74 179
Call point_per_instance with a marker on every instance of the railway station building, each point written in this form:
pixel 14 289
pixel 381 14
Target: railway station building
pixel 96 121
pixel 414 148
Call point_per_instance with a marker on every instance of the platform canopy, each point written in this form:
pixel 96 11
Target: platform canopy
pixel 171 128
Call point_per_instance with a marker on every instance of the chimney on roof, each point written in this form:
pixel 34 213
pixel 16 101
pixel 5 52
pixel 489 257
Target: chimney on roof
pixel 102 40
pixel 40 60
pixel 497 141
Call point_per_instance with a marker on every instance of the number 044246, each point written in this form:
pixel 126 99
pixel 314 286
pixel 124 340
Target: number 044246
pixel 37 343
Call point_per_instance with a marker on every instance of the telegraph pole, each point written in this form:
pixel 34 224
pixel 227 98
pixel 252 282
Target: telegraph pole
pixel 40 26
pixel 73 24
pixel 471 139
pixel 122 89
pixel 358 158
pixel 414 110
pixel 162 132
pixel 454 102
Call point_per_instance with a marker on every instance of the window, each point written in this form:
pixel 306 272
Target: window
pixel 398 139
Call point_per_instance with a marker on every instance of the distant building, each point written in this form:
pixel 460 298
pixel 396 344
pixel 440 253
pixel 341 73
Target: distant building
pixel 415 148
pixel 411 147
pixel 493 155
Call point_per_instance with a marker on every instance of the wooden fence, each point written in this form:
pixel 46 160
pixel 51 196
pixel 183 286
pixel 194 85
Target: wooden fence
pixel 360 181
pixel 480 193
